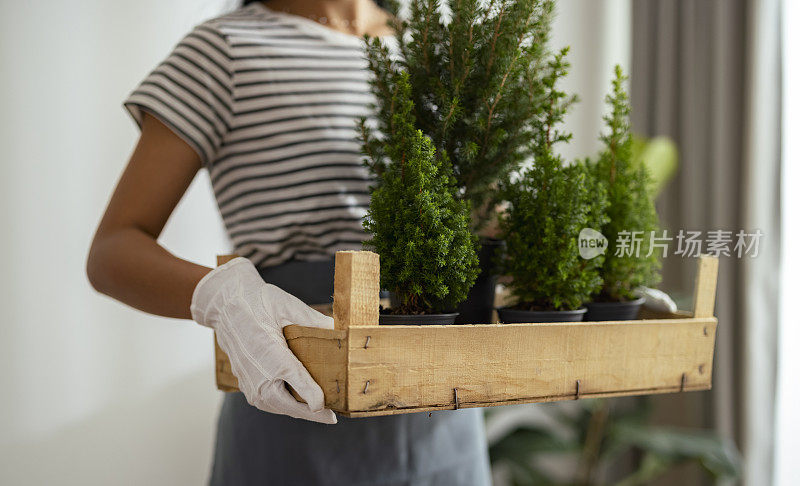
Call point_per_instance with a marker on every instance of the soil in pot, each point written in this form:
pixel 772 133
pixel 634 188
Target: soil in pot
pixel 478 307
pixel 510 315
pixel 614 310
pixel 417 319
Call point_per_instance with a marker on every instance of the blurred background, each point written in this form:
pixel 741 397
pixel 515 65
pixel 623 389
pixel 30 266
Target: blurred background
pixel 96 393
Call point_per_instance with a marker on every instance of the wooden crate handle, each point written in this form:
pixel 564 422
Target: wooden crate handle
pixel 226 380
pixel 705 286
pixel 356 289
pixel 223 259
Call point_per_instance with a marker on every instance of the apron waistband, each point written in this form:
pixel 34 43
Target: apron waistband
pixel 309 281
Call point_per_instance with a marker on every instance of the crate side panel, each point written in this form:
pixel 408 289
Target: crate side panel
pixel 465 404
pixel 402 367
pixel 324 354
pixel 226 380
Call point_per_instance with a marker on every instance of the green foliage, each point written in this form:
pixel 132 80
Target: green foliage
pixel 659 155
pixel 631 207
pixel 477 85
pixel 597 435
pixel 419 227
pixel 548 207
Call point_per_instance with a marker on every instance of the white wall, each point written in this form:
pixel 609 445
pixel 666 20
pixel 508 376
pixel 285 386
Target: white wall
pixel 787 420
pixel 93 392
pixel 599 35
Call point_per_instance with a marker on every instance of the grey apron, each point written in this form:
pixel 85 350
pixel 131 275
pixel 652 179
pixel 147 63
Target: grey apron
pixel 255 447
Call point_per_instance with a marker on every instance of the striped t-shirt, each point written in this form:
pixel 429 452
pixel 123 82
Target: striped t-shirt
pixel 270 102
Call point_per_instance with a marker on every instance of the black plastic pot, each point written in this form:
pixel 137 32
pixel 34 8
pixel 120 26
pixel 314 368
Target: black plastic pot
pixel 416 319
pixel 478 307
pixel 508 315
pixel 614 311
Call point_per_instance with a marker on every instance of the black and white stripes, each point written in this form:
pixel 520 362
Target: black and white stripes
pixel 270 102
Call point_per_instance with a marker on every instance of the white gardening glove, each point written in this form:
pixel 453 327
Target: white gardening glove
pixel 656 299
pixel 249 316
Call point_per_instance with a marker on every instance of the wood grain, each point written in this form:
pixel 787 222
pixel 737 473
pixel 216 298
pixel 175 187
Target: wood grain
pixel 367 370
pixel 705 286
pixel 223 374
pixel 324 354
pixel 416 368
pixel 356 289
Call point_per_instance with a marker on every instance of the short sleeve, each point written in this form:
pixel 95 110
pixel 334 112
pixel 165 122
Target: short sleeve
pixel 190 91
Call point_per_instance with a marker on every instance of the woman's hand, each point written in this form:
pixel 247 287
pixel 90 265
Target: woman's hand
pixel 249 316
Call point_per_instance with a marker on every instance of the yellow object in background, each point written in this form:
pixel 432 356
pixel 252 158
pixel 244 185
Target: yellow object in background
pixel 660 156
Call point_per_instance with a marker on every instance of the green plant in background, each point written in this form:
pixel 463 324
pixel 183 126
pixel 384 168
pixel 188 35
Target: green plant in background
pixel 597 436
pixel 659 156
pixel 548 206
pixel 477 84
pixel 631 208
pixel 418 226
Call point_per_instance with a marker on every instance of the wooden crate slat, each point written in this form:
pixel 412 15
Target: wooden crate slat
pixel 226 380
pixel 356 289
pixel 416 368
pixel 369 370
pixel 705 286
pixel 519 401
pixel 324 354
pixel 650 313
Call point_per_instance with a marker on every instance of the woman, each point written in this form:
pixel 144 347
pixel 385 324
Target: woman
pixel 266 98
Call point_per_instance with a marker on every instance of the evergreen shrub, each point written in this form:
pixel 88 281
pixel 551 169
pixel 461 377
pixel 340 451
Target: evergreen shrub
pixel 549 205
pixel 418 225
pixel 631 213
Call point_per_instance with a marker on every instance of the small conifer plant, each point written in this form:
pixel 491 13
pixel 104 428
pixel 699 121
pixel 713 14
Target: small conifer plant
pixel 631 210
pixel 476 78
pixel 418 226
pixel 548 207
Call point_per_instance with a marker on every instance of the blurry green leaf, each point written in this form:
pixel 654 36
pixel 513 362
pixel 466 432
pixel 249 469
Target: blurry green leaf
pixel 650 468
pixel 660 156
pixel 519 447
pixel 524 474
pixel 526 440
pixel 522 449
pixel 673 445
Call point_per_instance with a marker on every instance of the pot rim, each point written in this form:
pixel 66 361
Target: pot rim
pixel 581 310
pixel 637 301
pixel 438 314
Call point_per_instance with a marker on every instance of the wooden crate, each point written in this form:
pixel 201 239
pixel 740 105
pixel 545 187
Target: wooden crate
pixel 366 370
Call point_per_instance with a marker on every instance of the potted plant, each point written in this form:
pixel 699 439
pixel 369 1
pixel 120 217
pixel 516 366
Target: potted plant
pixel 548 206
pixel 631 212
pixel 601 436
pixel 418 226
pixel 474 75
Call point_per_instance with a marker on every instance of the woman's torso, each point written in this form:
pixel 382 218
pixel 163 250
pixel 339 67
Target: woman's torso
pixel 270 103
pixel 289 178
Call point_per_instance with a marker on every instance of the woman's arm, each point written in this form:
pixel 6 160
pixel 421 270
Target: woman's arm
pixel 125 261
